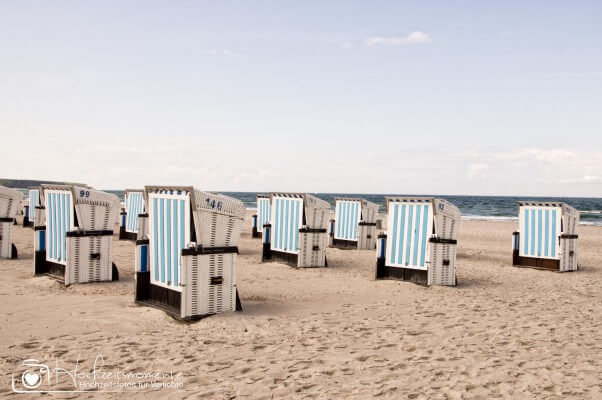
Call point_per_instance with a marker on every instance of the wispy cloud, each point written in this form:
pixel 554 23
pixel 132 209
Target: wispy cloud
pixel 221 52
pixel 416 37
pixel 593 74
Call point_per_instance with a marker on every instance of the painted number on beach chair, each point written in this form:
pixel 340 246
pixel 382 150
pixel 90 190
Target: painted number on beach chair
pixel 214 204
pixel 84 193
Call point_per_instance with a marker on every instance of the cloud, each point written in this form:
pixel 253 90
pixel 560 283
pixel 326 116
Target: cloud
pixel 345 45
pixel 416 37
pixel 477 170
pixel 221 52
pixel 585 179
pixel 573 74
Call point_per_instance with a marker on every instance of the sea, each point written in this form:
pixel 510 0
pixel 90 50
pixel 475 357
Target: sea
pixel 472 207
pixel 502 208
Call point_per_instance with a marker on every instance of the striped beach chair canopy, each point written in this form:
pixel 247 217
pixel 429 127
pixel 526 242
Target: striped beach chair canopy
pixel 69 208
pixel 10 201
pixel 180 216
pixel 291 212
pixel 541 224
pixel 411 222
pixel 349 212
pixel 134 206
pixel 263 211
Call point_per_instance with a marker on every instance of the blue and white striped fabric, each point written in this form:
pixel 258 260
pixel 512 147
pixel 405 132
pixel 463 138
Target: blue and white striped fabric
pixel 263 212
pixel 59 221
pixel 34 200
pixel 539 230
pixel 409 227
pixel 134 206
pixel 347 216
pixel 287 218
pixel 169 232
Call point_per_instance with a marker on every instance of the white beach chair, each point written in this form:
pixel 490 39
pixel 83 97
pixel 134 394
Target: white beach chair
pixel 297 233
pixel 420 243
pixel 10 203
pixel 75 244
pixel 134 207
pixel 30 208
pixel 354 224
pixel 547 236
pixel 263 215
pixel 186 265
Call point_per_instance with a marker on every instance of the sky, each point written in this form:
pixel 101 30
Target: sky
pixel 421 97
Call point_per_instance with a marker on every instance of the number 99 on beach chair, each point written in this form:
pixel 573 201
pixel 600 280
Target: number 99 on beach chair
pixel 420 243
pixel 186 266
pixel 75 245
pixel 10 201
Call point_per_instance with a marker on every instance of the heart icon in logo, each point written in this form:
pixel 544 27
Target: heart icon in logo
pixel 31 379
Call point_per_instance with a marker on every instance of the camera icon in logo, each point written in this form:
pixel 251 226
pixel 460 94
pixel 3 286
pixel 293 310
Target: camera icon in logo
pixel 33 376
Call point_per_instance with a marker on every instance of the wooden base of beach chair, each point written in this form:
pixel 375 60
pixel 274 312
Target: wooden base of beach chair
pixel 125 235
pixel 286 258
pixel 536 263
pixel 344 244
pixel 255 234
pixel 416 276
pixel 14 254
pixel 164 299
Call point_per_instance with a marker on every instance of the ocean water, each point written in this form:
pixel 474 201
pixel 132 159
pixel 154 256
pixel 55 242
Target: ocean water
pixel 472 207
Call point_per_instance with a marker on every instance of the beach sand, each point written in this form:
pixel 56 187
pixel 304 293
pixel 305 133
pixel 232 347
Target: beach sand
pixel 328 332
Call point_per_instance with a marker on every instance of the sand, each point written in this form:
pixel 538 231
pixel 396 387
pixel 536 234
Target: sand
pixel 326 333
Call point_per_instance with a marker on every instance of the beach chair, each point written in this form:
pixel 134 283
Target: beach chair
pixel 75 243
pixel 10 203
pixel 133 208
pixel 547 236
pixel 263 215
pixel 186 266
pixel 354 224
pixel 420 242
pixel 30 207
pixel 297 233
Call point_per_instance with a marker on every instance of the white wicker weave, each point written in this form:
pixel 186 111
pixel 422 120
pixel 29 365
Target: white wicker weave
pixel 10 202
pixel 210 284
pixel 217 218
pixel 6 239
pixel 96 210
pixel 81 267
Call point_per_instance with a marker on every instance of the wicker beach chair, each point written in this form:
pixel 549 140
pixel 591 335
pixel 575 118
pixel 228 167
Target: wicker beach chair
pixel 186 265
pixel 547 236
pixel 420 243
pixel 133 209
pixel 75 243
pixel 10 203
pixel 354 224
pixel 263 215
pixel 29 211
pixel 297 233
